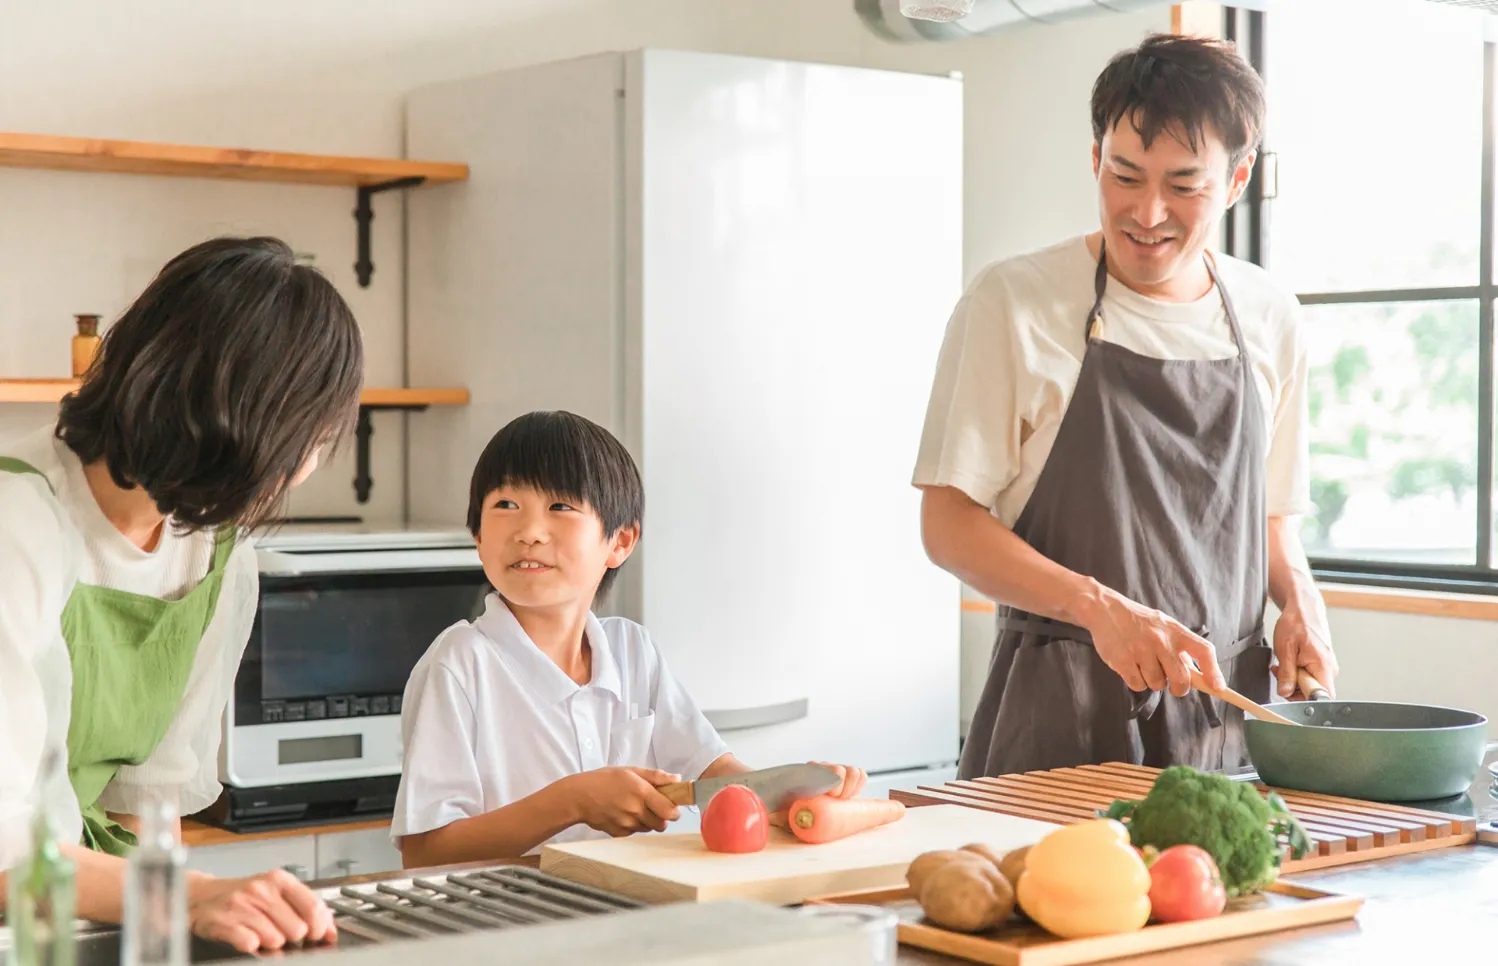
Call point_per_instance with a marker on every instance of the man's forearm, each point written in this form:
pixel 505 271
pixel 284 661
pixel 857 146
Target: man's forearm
pixel 1291 585
pixel 966 540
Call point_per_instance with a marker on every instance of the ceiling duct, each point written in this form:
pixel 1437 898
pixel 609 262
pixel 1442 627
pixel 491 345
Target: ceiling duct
pixel 988 17
pixel 991 16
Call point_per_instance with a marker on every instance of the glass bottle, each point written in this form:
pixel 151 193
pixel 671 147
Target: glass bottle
pixel 39 905
pixel 155 932
pixel 85 343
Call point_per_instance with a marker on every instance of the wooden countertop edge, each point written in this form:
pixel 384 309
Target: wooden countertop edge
pixel 196 834
pixel 1476 607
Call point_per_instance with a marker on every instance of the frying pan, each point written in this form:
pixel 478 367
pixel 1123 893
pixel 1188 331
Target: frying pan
pixel 1370 750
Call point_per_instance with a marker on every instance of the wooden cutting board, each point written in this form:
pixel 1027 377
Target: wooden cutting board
pixel 677 867
pixel 1343 830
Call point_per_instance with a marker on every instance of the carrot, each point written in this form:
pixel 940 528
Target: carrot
pixel 827 819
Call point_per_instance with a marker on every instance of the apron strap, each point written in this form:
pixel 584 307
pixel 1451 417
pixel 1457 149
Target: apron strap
pixel 9 464
pixel 1099 286
pixel 1019 622
pixel 1227 307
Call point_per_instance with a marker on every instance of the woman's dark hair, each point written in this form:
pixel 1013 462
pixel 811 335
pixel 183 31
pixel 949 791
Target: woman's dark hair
pixel 1194 82
pixel 566 456
pixel 219 383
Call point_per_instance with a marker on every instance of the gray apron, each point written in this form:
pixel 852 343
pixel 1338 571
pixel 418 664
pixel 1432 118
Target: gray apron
pixel 1155 488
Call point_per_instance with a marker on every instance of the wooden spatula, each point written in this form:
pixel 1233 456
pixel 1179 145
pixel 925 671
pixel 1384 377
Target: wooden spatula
pixel 1239 701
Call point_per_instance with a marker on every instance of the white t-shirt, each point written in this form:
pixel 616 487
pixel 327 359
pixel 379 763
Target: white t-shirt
pixel 488 719
pixel 48 544
pixel 1013 350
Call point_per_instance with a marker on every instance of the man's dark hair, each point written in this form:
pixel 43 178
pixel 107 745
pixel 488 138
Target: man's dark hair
pixel 568 457
pixel 218 384
pixel 1194 82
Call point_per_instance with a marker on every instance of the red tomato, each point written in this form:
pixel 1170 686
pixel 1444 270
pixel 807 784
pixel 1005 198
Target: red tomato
pixel 735 821
pixel 1185 884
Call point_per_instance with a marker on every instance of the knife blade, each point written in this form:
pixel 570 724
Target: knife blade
pixel 777 787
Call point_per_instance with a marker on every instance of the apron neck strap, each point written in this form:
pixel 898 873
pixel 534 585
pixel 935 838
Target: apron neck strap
pixel 1099 286
pixel 1227 308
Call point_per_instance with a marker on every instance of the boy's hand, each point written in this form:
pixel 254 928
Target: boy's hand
pixel 853 779
pixel 622 801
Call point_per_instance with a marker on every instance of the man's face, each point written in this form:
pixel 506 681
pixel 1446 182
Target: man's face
pixel 1161 207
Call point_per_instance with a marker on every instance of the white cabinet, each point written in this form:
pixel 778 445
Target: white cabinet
pixel 296 854
pixel 328 855
pixel 356 853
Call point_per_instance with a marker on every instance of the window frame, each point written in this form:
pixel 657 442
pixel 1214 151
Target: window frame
pixel 1246 235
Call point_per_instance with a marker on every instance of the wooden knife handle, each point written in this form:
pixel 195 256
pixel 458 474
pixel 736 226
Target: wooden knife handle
pixel 678 793
pixel 1310 687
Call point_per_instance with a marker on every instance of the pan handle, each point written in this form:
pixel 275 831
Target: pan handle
pixel 1310 687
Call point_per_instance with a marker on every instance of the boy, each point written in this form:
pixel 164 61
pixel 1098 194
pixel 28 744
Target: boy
pixel 539 721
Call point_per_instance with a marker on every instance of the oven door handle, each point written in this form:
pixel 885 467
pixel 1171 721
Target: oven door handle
pixel 739 719
pixel 276 563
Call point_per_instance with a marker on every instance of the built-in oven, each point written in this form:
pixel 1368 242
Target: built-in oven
pixel 313 728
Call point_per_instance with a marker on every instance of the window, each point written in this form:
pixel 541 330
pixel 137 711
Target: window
pixel 1375 205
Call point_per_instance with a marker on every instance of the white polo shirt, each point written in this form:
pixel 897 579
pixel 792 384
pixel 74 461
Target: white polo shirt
pixel 488 719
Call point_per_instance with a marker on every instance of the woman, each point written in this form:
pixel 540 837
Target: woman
pixel 127 584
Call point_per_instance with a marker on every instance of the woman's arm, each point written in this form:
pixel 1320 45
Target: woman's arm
pixel 39 567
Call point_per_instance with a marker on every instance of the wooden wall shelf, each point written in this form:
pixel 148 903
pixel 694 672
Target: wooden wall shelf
pixel 367 176
pixel 50 152
pixel 52 390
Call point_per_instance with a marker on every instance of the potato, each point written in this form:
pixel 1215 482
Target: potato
pixel 978 848
pixel 929 862
pixel 1013 864
pixel 967 896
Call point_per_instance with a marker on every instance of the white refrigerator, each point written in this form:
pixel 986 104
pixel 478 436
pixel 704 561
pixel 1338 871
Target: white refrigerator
pixel 743 268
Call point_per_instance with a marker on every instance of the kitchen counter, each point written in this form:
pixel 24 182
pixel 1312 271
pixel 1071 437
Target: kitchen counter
pixel 1431 906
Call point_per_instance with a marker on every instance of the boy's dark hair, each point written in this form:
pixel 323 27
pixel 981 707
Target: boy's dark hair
pixel 1194 82
pixel 566 456
pixel 219 382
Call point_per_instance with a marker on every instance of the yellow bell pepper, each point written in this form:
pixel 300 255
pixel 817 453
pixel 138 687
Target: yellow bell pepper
pixel 1086 880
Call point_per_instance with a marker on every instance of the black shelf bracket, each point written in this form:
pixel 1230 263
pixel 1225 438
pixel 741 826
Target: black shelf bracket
pixel 363 430
pixel 364 214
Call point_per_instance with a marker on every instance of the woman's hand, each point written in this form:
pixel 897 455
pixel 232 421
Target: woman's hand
pixel 265 911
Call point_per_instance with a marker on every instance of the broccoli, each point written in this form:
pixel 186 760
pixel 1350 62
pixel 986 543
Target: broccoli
pixel 1229 819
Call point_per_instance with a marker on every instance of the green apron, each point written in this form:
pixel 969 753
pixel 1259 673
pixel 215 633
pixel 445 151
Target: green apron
pixel 131 655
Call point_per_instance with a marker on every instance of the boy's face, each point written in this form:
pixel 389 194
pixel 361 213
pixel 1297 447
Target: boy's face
pixel 541 551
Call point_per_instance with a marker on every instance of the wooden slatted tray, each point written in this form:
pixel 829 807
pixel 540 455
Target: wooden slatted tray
pixel 1344 830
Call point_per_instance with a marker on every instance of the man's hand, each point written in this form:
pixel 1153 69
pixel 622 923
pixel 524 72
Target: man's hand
pixel 260 912
pixel 622 801
pixel 1149 650
pixel 1301 640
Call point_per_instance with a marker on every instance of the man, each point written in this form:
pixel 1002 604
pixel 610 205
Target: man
pixel 1116 448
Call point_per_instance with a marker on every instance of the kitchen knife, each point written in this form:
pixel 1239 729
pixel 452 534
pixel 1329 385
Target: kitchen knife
pixel 777 787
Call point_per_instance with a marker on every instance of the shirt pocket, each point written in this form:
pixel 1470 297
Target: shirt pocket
pixel 630 742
